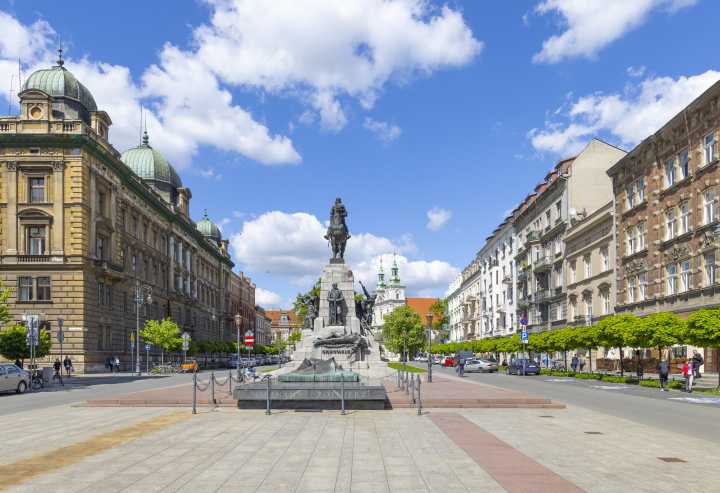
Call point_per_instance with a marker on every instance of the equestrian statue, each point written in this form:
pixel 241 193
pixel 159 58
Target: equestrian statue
pixel 337 232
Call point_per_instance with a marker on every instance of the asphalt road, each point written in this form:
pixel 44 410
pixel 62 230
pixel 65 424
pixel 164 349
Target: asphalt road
pixel 647 406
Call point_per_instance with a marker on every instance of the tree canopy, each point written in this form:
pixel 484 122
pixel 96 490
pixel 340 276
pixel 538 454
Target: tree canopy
pixel 162 333
pixel 404 318
pixel 12 344
pixel 299 306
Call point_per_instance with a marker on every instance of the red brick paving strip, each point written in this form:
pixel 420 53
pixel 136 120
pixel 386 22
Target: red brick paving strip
pixel 450 393
pixel 515 471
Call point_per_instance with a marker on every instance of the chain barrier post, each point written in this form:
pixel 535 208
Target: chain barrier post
pixel 398 375
pixel 419 406
pixel 342 394
pixel 194 391
pixel 267 411
pixel 230 381
pixel 412 386
pixel 212 384
pixel 407 381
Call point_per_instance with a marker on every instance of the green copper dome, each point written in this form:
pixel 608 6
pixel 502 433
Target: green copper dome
pixel 208 229
pixel 151 166
pixel 59 82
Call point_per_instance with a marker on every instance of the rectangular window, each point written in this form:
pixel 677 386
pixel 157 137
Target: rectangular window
pixel 37 190
pixel 709 148
pixel 122 259
pixel 560 310
pixel 641 287
pixel 642 237
pixel 101 203
pixel 709 206
pixel 573 270
pixel 107 295
pixel 559 277
pixel 588 307
pixel 631 241
pixel 155 240
pixel 671 279
pixel 100 247
pixel 670 174
pixel 670 225
pixel 630 197
pixel 606 303
pixel 134 226
pixel 37 241
pixel 145 270
pixel 134 265
pixel 588 268
pixel 606 261
pixel 154 280
pixel 684 165
pixel 145 232
pixel 26 288
pixel 558 245
pixel 684 218
pixel 641 190
pixel 548 218
pixel 685 276
pixel 631 290
pixel 123 226
pixel 710 269
pixel 537 253
pixel 100 294
pixel 43 288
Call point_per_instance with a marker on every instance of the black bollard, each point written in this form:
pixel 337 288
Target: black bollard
pixel 398 375
pixel 267 411
pixel 419 407
pixel 230 381
pixel 342 394
pixel 412 386
pixel 407 382
pixel 212 384
pixel 194 391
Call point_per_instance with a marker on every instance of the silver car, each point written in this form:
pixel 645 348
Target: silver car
pixel 13 378
pixel 481 365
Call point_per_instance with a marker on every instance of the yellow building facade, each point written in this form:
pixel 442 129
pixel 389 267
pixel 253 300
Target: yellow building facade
pixel 81 225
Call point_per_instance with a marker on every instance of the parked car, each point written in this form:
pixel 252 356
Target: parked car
pixel 273 360
pixel 244 362
pixel 266 359
pixel 13 378
pixel 421 359
pixel 437 360
pixel 464 355
pixel 232 363
pixel 516 367
pixel 448 361
pixel 481 365
pixel 189 365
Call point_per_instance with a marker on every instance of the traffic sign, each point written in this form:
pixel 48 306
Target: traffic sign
pixel 185 345
pixel 185 336
pixel 523 321
pixel 147 347
pixel 60 336
pixel 249 341
pixel 132 344
pixel 249 333
pixel 132 337
pixel 524 337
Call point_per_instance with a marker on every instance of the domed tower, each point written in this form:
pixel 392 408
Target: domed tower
pixel 209 230
pixel 152 167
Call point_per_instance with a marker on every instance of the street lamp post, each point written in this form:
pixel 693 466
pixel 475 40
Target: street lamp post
pixel 139 300
pixel 279 335
pixel 238 322
pixel 429 318
pixel 404 334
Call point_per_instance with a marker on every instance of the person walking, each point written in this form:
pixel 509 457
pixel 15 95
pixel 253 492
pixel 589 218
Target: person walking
pixel 111 363
pixel 18 363
pixel 697 360
pixel 68 365
pixel 57 366
pixel 117 364
pixel 664 373
pixel 574 363
pixel 581 364
pixel 687 371
pixel 461 367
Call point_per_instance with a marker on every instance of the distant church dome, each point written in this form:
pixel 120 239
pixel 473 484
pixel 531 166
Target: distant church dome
pixel 209 230
pixel 151 166
pixel 72 99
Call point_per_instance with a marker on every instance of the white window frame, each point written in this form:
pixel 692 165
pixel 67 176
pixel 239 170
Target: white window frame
pixel 606 261
pixel 630 197
pixel 560 310
pixel 606 303
pixel 642 237
pixel 710 269
pixel 573 270
pixel 588 308
pixel 685 276
pixel 631 290
pixel 671 280
pixel 709 206
pixel 588 268
pixel 684 159
pixel 631 241
pixel 685 218
pixel 670 224
pixel 641 190
pixel 559 277
pixel 641 287
pixel 670 173
pixel 709 148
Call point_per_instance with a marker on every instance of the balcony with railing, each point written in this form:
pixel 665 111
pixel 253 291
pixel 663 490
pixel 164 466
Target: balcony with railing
pixel 544 295
pixel 524 303
pixel 544 325
pixel 543 264
pixel 109 268
pixel 474 315
pixel 501 308
pixel 533 236
pixel 508 280
pixel 523 274
pixel 33 259
pixel 582 320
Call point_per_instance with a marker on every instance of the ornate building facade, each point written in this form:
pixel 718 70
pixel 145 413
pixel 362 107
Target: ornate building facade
pixel 82 225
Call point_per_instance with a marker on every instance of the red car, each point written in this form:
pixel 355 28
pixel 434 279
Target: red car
pixel 448 361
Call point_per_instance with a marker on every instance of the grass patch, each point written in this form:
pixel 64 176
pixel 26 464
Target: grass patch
pixel 705 391
pixel 502 368
pixel 562 373
pixel 265 371
pixel 631 381
pixel 588 376
pixel 545 372
pixel 411 369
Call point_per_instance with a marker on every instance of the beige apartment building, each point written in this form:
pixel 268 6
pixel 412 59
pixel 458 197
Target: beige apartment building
pixel 82 226
pixel 576 188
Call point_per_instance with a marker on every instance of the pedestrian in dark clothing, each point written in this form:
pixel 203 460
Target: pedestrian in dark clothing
pixel 664 373
pixel 111 362
pixel 697 361
pixel 574 363
pixel 68 365
pixel 581 363
pixel 57 366
pixel 18 363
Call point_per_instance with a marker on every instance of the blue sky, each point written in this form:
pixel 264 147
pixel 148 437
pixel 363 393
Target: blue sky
pixel 429 120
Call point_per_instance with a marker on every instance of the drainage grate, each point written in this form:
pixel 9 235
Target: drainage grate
pixel 671 459
pixel 308 410
pixel 592 432
pixel 546 416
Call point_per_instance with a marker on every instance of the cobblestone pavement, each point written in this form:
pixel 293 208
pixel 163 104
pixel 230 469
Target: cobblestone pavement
pixel 444 450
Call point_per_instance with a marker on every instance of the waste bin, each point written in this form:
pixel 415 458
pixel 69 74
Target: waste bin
pixel 47 373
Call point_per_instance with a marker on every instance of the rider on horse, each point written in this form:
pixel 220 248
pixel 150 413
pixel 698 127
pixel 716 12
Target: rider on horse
pixel 337 232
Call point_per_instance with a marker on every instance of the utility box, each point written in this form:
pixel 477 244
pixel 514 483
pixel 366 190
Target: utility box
pixel 47 373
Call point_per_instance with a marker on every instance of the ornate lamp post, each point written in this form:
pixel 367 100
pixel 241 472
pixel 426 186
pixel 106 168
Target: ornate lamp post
pixel 238 322
pixel 429 318
pixel 404 334
pixel 139 300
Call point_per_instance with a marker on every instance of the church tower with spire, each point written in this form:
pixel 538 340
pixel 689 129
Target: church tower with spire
pixel 389 296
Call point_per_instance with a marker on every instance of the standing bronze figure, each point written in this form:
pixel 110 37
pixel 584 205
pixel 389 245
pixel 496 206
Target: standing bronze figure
pixel 335 299
pixel 337 232
pixel 312 308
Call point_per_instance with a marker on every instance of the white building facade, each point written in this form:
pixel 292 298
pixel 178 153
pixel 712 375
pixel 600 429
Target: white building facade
pixel 389 296
pixel 454 310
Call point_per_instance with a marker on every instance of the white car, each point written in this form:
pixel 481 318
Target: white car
pixel 13 378
pixel 481 365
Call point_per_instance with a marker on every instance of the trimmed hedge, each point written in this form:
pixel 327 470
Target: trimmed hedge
pixel 633 381
pixel 562 373
pixel 656 384
pixel 588 376
pixel 502 368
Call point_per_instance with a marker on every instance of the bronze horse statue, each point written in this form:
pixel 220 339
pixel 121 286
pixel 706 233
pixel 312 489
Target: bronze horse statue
pixel 337 232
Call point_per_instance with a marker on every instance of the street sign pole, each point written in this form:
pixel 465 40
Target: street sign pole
pixel 147 359
pixel 60 337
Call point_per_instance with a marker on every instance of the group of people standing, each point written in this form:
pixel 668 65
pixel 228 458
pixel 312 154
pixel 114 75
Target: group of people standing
pixel 690 370
pixel 114 364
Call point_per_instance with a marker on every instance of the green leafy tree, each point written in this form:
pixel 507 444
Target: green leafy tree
pixel 703 329
pixel 615 331
pixel 162 333
pixel 404 318
pixel 299 306
pixel 5 317
pixel 192 349
pixel 273 348
pixel 587 338
pixel 12 344
pixel 441 322
pixel 294 337
pixel 659 330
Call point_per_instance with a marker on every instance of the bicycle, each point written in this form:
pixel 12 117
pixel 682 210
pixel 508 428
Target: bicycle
pixel 37 382
pixel 558 366
pixel 59 377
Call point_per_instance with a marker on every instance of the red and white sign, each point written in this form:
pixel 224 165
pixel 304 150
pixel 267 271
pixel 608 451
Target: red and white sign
pixel 249 341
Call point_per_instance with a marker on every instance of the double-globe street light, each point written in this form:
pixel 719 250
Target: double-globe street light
pixel 429 318
pixel 238 323
pixel 139 300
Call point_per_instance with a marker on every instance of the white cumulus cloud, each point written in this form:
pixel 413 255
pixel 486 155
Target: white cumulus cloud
pixel 269 300
pixel 292 246
pixel 382 130
pixel 437 218
pixel 636 72
pixel 627 118
pixel 590 25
